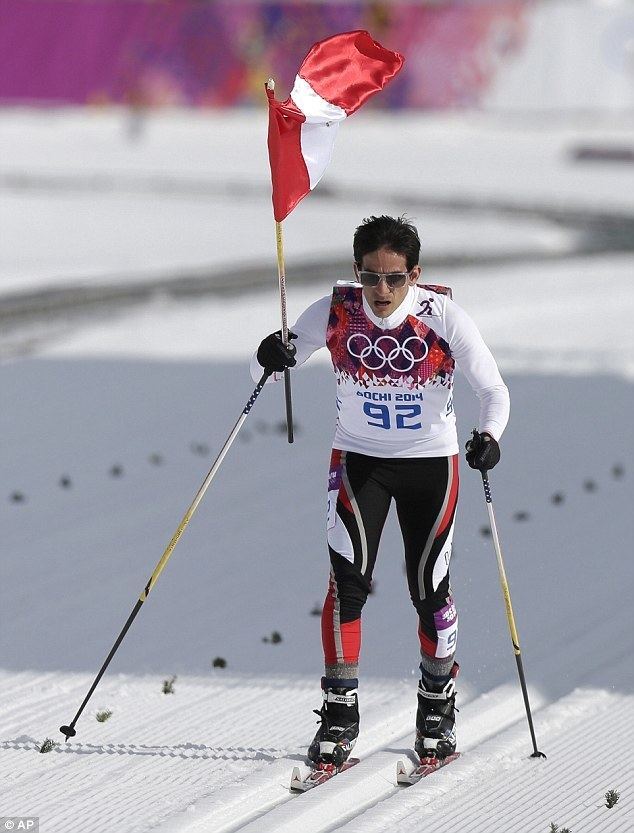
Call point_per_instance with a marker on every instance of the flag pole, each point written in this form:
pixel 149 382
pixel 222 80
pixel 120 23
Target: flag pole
pixel 270 85
pixel 287 373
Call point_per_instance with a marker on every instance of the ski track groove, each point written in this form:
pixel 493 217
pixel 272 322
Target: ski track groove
pixel 394 795
pixel 421 798
pixel 379 767
pixel 503 702
pixel 275 788
pixel 449 813
pixel 515 779
pixel 508 766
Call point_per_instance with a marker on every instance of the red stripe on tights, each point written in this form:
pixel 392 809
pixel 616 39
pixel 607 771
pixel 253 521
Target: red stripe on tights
pixel 327 625
pixel 453 497
pixel 350 632
pixel 351 640
pixel 428 646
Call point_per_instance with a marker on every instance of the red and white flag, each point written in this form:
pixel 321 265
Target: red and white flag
pixel 337 76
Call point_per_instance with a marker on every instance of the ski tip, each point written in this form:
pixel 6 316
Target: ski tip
pixel 425 767
pixel 402 775
pixel 296 780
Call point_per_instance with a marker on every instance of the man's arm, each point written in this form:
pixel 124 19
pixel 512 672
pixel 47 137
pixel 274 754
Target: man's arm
pixel 478 365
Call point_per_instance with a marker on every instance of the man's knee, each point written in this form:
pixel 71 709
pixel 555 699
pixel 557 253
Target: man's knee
pixel 351 587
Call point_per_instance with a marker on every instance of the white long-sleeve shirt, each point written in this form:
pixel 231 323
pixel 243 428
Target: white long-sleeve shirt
pixel 395 374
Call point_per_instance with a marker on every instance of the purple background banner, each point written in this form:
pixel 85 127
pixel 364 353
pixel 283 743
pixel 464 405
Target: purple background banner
pixel 218 54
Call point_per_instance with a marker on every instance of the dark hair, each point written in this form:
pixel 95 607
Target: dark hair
pixel 393 233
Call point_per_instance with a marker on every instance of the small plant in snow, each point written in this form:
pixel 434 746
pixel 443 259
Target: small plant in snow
pixel 168 685
pixel 103 716
pixel 48 745
pixel 555 828
pixel 219 662
pixel 611 797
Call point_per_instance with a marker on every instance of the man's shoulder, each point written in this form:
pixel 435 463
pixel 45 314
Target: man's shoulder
pixel 435 289
pixel 346 291
pixel 431 300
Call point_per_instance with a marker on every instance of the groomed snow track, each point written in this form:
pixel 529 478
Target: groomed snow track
pixel 229 784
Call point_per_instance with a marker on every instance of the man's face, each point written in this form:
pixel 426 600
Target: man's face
pixel 384 299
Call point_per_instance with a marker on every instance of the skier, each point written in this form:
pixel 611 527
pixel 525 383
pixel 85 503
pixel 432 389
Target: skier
pixel 394 343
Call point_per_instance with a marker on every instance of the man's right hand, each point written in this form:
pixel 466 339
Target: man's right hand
pixel 274 355
pixel 483 451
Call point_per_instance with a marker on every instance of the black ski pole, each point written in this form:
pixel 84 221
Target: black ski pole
pixel 509 612
pixel 69 731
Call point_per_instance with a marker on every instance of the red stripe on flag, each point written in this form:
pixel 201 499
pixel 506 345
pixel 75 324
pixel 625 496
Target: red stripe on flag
pixel 453 497
pixel 289 174
pixel 349 68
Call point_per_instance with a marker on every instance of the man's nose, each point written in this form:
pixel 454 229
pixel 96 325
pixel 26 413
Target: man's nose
pixel 382 288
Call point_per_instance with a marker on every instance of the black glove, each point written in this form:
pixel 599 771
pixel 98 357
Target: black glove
pixel 274 355
pixel 483 452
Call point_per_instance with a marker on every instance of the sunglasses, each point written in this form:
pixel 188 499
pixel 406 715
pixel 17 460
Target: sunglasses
pixel 392 279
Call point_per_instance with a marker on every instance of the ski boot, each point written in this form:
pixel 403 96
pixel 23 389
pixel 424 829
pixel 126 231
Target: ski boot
pixel 339 728
pixel 435 718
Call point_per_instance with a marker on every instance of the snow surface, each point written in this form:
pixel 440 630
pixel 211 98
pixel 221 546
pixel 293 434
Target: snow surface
pixel 155 389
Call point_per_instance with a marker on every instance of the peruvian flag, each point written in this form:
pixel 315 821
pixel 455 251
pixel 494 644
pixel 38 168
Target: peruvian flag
pixel 337 76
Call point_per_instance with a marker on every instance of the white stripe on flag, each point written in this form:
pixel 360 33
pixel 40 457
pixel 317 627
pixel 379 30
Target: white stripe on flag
pixel 318 132
pixel 313 106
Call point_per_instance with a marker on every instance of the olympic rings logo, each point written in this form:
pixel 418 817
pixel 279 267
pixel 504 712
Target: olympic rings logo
pixel 385 350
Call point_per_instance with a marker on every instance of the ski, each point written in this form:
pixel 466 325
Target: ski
pixel 426 767
pixel 318 775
